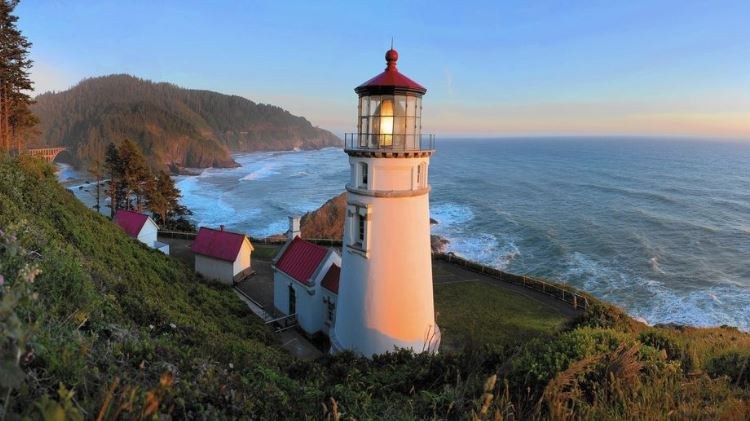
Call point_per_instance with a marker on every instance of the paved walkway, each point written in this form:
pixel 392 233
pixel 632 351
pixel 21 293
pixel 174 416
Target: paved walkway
pixel 445 273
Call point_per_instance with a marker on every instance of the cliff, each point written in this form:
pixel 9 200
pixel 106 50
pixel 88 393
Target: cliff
pixel 93 323
pixel 175 127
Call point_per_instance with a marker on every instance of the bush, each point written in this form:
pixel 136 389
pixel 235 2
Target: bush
pixel 733 364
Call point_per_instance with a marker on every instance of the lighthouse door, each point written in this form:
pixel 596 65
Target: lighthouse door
pixel 292 301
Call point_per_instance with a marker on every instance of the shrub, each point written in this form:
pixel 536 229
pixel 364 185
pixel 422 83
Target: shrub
pixel 733 364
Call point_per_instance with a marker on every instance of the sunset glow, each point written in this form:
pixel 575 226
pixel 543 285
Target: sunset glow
pixel 638 68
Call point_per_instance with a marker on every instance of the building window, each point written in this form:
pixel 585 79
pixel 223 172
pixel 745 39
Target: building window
pixel 363 174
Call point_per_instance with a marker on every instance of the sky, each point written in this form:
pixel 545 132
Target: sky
pixel 496 68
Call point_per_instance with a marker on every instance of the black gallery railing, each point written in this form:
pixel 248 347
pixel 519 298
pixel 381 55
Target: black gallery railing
pixel 389 142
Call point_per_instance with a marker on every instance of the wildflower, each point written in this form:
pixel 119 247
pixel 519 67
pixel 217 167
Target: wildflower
pixel 173 326
pixel 231 365
pixel 151 327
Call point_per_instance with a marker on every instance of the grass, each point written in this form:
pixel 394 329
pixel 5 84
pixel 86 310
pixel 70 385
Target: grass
pixel 478 312
pixel 112 327
pixel 265 252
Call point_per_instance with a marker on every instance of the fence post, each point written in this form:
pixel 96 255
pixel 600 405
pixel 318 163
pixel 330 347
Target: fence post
pixel 575 301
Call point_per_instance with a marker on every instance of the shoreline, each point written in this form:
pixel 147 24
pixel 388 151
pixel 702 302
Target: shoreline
pixel 579 266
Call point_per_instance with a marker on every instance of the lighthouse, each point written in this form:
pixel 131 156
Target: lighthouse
pixel 385 296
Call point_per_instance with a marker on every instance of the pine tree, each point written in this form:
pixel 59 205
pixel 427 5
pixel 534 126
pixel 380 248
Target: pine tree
pixel 94 156
pixel 137 179
pixel 16 120
pixel 113 166
pixel 163 200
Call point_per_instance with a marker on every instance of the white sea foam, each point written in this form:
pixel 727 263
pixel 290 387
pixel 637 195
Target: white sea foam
pixel 264 171
pixel 654 262
pixel 448 214
pixel 655 302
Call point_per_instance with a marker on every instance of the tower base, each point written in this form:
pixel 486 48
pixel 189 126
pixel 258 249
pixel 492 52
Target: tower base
pixel 430 344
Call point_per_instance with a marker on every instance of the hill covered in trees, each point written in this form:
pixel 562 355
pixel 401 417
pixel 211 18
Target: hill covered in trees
pixel 95 325
pixel 174 126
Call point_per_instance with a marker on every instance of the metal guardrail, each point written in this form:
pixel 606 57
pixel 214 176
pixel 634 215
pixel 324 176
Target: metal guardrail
pixel 389 142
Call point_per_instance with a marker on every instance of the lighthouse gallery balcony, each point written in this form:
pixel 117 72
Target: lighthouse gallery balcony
pixel 365 142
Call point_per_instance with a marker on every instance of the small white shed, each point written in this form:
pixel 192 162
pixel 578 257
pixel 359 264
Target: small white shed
pixel 222 255
pixel 141 227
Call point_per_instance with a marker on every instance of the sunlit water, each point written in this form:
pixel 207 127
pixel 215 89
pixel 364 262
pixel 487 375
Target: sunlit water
pixel 661 228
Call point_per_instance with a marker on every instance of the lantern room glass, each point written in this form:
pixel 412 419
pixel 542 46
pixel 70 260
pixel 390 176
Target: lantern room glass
pixel 389 121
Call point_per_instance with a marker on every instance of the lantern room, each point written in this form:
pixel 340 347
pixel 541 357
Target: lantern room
pixel 390 111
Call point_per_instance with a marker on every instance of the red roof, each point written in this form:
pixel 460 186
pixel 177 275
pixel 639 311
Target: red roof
pixel 391 78
pixel 130 221
pixel 331 280
pixel 301 259
pixel 219 244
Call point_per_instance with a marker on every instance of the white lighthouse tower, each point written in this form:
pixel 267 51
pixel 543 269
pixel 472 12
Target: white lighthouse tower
pixel 385 295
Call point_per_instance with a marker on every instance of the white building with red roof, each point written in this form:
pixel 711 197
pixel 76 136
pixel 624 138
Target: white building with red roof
pixel 222 255
pixel 141 227
pixel 305 283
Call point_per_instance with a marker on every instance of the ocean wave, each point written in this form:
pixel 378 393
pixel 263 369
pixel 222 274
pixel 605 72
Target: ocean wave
pixel 486 249
pixel 448 214
pixel 655 302
pixel 632 193
pixel 265 171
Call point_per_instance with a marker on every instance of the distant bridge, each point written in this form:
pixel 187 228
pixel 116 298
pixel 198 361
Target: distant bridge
pixel 48 154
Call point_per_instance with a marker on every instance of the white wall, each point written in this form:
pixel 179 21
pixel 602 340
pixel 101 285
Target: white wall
pixel 216 269
pixel 385 296
pixel 312 311
pixel 243 259
pixel 306 303
pixel 148 233
pixel 389 174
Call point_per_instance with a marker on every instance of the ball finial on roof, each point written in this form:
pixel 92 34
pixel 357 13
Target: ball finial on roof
pixel 391 56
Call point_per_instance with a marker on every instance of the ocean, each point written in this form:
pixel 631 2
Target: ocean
pixel 659 227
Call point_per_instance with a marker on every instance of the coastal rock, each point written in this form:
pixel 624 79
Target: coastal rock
pixel 327 222
pixel 438 244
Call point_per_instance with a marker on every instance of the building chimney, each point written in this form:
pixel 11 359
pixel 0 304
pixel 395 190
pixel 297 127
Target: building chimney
pixel 294 230
pixel 221 227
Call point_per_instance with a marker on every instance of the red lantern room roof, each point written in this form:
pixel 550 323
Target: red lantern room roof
pixel 391 81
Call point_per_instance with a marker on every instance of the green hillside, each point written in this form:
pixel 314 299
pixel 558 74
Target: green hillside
pixel 111 328
pixel 174 126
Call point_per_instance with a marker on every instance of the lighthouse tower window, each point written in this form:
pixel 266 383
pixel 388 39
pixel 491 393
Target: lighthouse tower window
pixel 357 218
pixel 361 229
pixel 363 174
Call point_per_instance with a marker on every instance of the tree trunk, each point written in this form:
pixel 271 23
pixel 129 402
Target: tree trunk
pixel 3 142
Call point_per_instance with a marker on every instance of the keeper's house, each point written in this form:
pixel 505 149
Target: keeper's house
pixel 222 255
pixel 141 227
pixel 306 284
